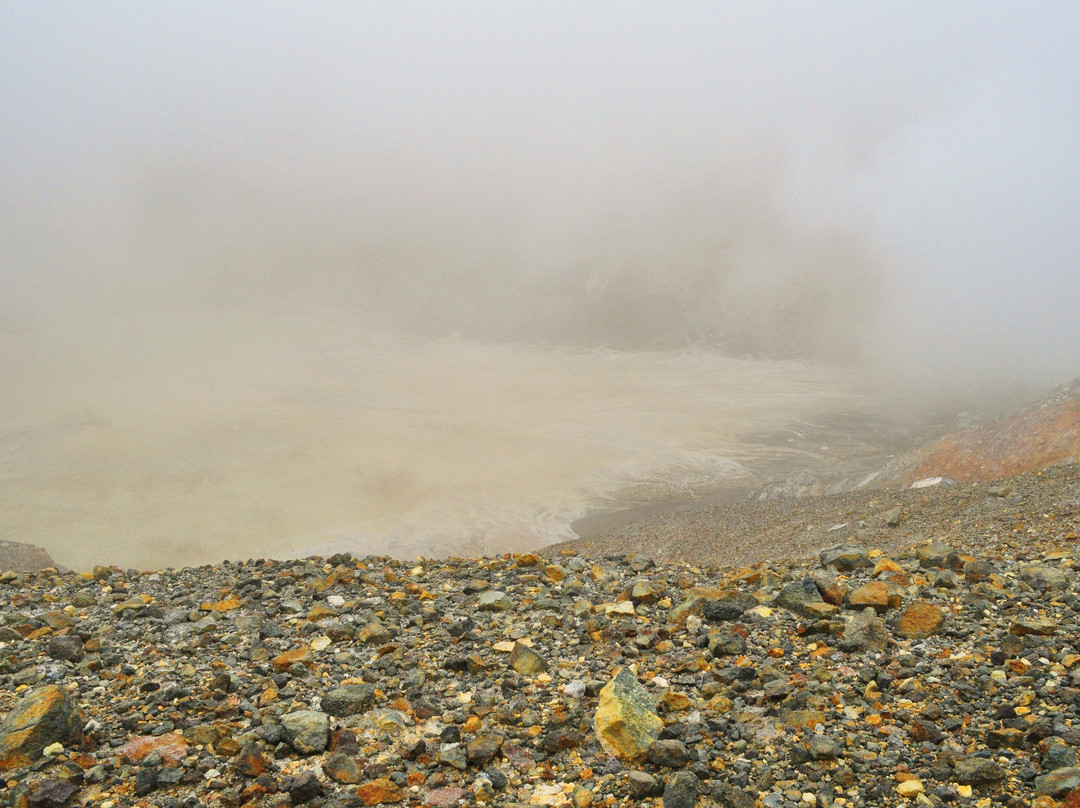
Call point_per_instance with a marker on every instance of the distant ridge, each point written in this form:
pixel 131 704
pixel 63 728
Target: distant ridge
pixel 1040 435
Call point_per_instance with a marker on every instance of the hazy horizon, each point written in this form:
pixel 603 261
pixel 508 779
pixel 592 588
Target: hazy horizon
pixel 886 195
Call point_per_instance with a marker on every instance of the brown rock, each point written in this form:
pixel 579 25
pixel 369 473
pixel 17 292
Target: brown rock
pixel 171 747
pixel 282 662
pixel 379 792
pixel 876 594
pixel 42 717
pixel 920 620
pixel 554 573
pixel 320 611
pixel 341 768
pixel 884 564
pixel 250 762
pixel 525 660
pixel 674 702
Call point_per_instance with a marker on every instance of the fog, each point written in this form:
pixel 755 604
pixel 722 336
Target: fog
pixel 241 219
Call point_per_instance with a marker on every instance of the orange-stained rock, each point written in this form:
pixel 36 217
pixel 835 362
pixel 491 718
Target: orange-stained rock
pixel 1037 436
pixel 379 792
pixel 920 620
pixel 674 702
pixel 876 594
pixel 171 747
pixel 320 611
pixel 40 718
pixel 221 606
pixel 886 565
pixel 282 662
pixel 554 573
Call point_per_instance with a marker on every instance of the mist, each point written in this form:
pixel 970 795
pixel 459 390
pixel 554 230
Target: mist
pixel 888 194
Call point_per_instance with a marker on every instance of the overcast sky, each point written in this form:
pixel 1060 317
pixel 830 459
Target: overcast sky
pixel 943 138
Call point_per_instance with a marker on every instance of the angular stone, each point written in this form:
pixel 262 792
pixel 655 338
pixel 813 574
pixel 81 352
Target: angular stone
pixel 796 595
pixel 626 722
pixel 726 642
pixel 934 554
pixel 845 557
pixel 977 570
pixel 146 781
pixel 349 700
pixel 226 605
pixel 886 565
pixel 645 592
pixel 341 768
pixel 830 590
pixel 643 784
pixel 554 573
pixel 1005 738
pixel 976 770
pixel 494 601
pixel 250 762
pixel 558 739
pixel 453 754
pixel 1040 627
pixel 67 647
pixel 282 662
pixel 306 731
pixel 822 747
pixel 802 719
pixel 700 598
pixel 867 630
pixel 525 660
pixel 893 516
pixel 681 791
pixel 731 606
pixel 303 787
pixel 42 717
pixel 669 753
pixel 673 701
pixel 171 747
pixel 52 793
pixel 1043 577
pixel 1058 782
pixel 878 595
pixel 374 633
pixel 920 620
pixel 481 749
pixel 910 788
pixel 922 730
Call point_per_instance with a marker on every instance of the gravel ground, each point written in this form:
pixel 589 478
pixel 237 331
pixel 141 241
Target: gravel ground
pixel 945 674
pixel 978 517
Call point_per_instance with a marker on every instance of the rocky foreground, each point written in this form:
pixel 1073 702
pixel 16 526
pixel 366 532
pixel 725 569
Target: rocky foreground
pixel 938 675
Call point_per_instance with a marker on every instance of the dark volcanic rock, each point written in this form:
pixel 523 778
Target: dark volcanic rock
pixel 349 700
pixel 681 791
pixel 799 595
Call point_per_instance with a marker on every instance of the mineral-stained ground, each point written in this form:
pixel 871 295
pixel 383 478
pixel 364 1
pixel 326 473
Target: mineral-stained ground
pixel 932 658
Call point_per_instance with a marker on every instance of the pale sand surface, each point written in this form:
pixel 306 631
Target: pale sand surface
pixel 179 440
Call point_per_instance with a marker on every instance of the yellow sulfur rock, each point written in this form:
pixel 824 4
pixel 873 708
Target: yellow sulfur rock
pixel 909 788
